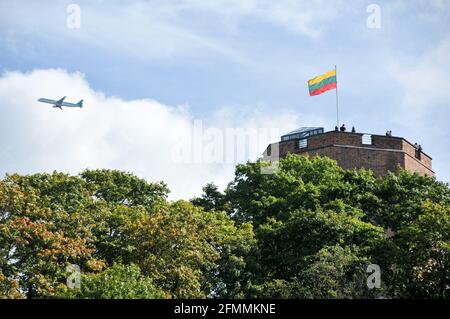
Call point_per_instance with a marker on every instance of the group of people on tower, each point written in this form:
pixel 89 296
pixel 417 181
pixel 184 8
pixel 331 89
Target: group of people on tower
pixel 344 129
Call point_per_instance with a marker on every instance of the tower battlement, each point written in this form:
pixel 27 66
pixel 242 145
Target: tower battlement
pixel 352 150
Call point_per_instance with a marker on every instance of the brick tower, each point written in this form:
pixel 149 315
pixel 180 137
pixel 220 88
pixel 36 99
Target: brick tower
pixel 352 150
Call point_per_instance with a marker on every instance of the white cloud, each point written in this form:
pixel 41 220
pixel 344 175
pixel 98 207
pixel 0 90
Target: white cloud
pixel 109 132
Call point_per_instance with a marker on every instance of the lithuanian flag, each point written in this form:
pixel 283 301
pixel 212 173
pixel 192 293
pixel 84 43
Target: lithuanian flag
pixel 322 83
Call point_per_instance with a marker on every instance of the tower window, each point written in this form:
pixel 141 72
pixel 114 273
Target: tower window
pixel 367 139
pixel 303 143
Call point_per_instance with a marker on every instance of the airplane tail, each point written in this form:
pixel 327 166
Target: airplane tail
pixel 80 104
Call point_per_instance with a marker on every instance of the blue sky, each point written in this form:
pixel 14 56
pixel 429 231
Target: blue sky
pixel 246 59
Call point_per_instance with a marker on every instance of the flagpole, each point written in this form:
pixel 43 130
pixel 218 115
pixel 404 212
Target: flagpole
pixel 337 99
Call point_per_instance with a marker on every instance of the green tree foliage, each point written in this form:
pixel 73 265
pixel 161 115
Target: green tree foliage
pixel 333 272
pixel 9 288
pixel 116 282
pixel 307 231
pixel 212 199
pixel 419 255
pixel 317 227
pixel 180 247
pixel 100 218
pixel 39 236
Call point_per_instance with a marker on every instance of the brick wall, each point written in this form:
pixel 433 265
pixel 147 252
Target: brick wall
pixel 348 157
pixel 288 147
pixel 387 142
pixel 333 138
pixel 414 165
pixel 384 154
pixel 412 152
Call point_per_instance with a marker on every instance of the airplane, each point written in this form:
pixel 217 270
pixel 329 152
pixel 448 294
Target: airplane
pixel 60 103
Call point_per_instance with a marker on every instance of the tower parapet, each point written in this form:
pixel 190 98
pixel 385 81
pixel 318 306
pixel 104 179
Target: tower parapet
pixel 352 150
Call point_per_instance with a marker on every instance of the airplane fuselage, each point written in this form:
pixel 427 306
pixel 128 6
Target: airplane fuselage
pixel 60 103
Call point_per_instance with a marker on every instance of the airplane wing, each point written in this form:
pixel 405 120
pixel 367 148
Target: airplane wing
pixel 60 101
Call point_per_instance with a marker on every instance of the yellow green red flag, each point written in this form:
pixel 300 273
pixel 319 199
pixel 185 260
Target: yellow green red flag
pixel 322 83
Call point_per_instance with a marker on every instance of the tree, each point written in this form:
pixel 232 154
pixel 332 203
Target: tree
pixel 116 187
pixel 181 247
pixel 38 239
pixel 116 282
pixel 333 272
pixel 311 215
pixel 420 255
pixel 211 199
pixel 401 196
pixel 307 231
pixel 102 218
pixel 9 288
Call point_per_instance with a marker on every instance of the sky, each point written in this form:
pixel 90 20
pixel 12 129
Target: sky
pixel 153 74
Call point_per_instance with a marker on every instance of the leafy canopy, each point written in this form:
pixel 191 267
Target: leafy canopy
pixel 307 231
